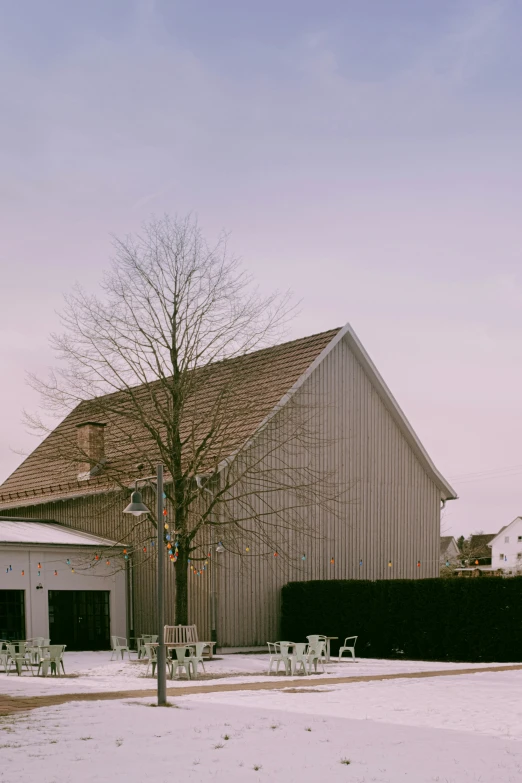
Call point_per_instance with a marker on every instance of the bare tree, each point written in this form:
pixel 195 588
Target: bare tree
pixel 161 357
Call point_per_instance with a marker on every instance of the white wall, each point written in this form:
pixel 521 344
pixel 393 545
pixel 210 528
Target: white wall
pixel 99 577
pixel 510 549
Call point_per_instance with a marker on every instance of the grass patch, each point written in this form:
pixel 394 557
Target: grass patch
pixel 345 761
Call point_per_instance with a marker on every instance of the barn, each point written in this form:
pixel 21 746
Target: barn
pixel 388 526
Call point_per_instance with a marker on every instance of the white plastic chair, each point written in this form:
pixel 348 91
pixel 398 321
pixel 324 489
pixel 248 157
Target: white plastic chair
pixel 53 659
pixel 4 655
pixel 197 655
pixel 287 649
pixel 274 651
pixel 119 645
pixel 315 655
pixel 17 658
pixel 172 662
pixel 151 653
pixel 143 640
pixel 299 657
pixel 348 647
pixel 314 639
pixel 34 649
pixel 184 661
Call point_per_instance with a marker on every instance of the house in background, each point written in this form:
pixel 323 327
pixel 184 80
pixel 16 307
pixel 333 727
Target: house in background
pixel 54 584
pixel 449 551
pixel 388 526
pixel 506 549
pixel 479 552
pixel 475 557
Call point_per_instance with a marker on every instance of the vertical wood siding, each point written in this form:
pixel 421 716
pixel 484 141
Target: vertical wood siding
pixel 392 513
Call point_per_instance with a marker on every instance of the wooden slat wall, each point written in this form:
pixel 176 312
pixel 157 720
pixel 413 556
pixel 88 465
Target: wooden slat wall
pixel 392 513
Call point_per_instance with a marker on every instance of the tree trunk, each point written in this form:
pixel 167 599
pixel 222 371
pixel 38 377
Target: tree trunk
pixel 182 587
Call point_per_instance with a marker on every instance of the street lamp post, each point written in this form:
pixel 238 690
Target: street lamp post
pixel 213 592
pixel 137 507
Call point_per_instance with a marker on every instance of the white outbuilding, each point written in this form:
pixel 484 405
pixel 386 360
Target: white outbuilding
pixel 506 549
pixel 62 584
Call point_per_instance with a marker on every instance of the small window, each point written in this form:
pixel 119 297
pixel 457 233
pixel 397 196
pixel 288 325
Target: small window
pixel 519 555
pixel 520 538
pixel 501 557
pixel 506 539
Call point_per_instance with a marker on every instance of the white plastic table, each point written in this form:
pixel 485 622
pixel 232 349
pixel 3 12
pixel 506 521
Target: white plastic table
pixel 328 640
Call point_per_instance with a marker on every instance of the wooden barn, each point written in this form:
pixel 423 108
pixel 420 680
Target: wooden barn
pixel 387 526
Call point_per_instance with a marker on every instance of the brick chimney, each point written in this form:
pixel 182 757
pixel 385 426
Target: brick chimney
pixel 91 444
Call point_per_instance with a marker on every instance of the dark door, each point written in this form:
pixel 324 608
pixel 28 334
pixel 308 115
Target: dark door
pixel 80 619
pixel 12 614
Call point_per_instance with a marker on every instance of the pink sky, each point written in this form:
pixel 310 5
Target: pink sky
pixel 385 191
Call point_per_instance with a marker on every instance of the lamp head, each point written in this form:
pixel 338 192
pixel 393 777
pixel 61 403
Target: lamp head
pixel 136 507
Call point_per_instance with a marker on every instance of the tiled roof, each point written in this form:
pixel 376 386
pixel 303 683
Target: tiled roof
pixel 48 474
pixel 479 544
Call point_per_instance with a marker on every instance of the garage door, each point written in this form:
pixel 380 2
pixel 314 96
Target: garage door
pixel 12 614
pixel 80 619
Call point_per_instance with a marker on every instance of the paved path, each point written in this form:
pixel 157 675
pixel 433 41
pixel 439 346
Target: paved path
pixel 13 704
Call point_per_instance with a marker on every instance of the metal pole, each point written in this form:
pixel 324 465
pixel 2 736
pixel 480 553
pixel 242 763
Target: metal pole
pixel 161 659
pixel 213 596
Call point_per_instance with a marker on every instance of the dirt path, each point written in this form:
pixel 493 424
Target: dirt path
pixel 13 704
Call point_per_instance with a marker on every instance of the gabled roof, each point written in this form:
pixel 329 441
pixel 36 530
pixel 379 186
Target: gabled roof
pixel 269 378
pixel 445 542
pixel 266 375
pixel 16 531
pixel 502 530
pixel 479 542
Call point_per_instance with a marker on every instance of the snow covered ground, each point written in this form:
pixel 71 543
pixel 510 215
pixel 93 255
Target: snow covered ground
pixel 95 672
pixel 459 729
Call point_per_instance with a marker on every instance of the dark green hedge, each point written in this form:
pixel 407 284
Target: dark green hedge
pixel 425 619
